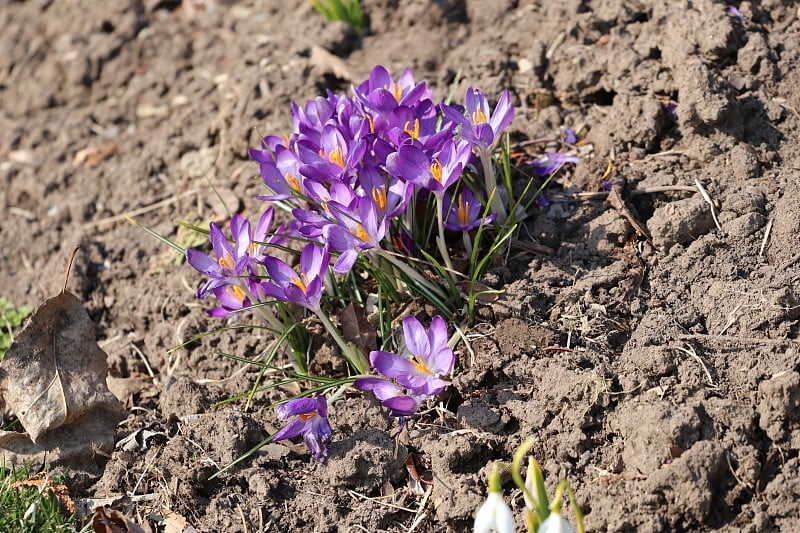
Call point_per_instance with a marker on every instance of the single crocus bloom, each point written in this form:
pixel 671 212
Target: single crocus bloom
pixel 429 358
pixel 465 212
pixel 435 172
pixel 303 286
pixel 550 162
pixel 311 422
pixel 229 263
pixel 481 126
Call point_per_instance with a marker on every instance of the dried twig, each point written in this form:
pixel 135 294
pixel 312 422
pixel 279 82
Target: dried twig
pixel 709 201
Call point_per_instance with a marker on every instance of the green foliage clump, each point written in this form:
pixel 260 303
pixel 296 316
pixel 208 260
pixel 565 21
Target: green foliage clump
pixel 30 504
pixel 348 11
pixel 10 319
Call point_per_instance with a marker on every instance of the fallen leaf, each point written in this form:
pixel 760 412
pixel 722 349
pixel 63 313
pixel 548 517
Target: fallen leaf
pixel 357 329
pixel 175 523
pixel 53 380
pixel 55 373
pixel 107 520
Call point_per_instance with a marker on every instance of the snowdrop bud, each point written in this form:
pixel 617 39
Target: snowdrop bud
pixel 555 523
pixel 494 514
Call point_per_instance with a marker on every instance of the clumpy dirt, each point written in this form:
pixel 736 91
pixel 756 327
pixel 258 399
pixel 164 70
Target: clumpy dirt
pixel 657 368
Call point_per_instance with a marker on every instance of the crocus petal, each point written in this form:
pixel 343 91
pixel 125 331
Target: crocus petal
pixel 416 337
pixel 290 430
pixel 401 405
pixel 298 406
pixel 390 365
pixel 202 262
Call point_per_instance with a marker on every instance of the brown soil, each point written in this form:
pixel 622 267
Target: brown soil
pixel 676 405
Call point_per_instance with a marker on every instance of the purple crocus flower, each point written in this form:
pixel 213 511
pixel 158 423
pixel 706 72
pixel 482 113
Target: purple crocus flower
pixel 394 398
pixel 735 12
pixel 481 126
pixel 311 422
pixel 228 263
pixel 429 358
pixel 465 213
pixel 358 228
pixel 433 172
pixel 544 166
pixel 303 286
pixel 382 94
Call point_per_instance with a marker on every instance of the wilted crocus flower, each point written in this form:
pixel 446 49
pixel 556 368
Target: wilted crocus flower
pixel 481 126
pixel 394 398
pixel 311 422
pixel 550 162
pixel 465 213
pixel 429 358
pixel 494 514
pixel 303 286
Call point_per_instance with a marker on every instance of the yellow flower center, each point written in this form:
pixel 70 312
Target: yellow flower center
pixel 478 117
pixel 396 90
pixel 436 170
pixel 359 232
pixel 420 365
pixel 235 292
pixel 371 123
pixel 293 182
pixel 307 416
pixel 301 281
pixel 463 210
pixel 379 196
pixel 413 132
pixel 226 261
pixel 335 156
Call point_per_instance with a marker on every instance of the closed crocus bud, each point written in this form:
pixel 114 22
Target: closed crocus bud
pixel 555 523
pixel 494 514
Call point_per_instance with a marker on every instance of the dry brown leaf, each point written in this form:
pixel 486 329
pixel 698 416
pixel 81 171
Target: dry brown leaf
pixel 175 523
pixel 357 329
pixel 107 520
pixel 55 373
pixel 53 378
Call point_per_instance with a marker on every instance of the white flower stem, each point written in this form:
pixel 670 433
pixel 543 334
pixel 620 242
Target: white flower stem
pixel 440 240
pixel 491 185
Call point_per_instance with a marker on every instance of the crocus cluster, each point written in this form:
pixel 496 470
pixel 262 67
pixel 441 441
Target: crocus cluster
pixel 355 166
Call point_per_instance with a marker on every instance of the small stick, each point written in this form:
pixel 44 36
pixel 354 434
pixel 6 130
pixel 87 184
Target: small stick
pixel 142 210
pixel 693 354
pixel 732 318
pixel 709 201
pixel 69 268
pixel 767 230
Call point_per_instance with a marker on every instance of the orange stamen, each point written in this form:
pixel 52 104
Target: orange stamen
pixel 436 170
pixel 359 232
pixel 420 365
pixel 293 182
pixel 301 281
pixel 478 117
pixel 226 261
pixel 396 90
pixel 235 292
pixel 413 132
pixel 379 196
pixel 463 210
pixel 307 416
